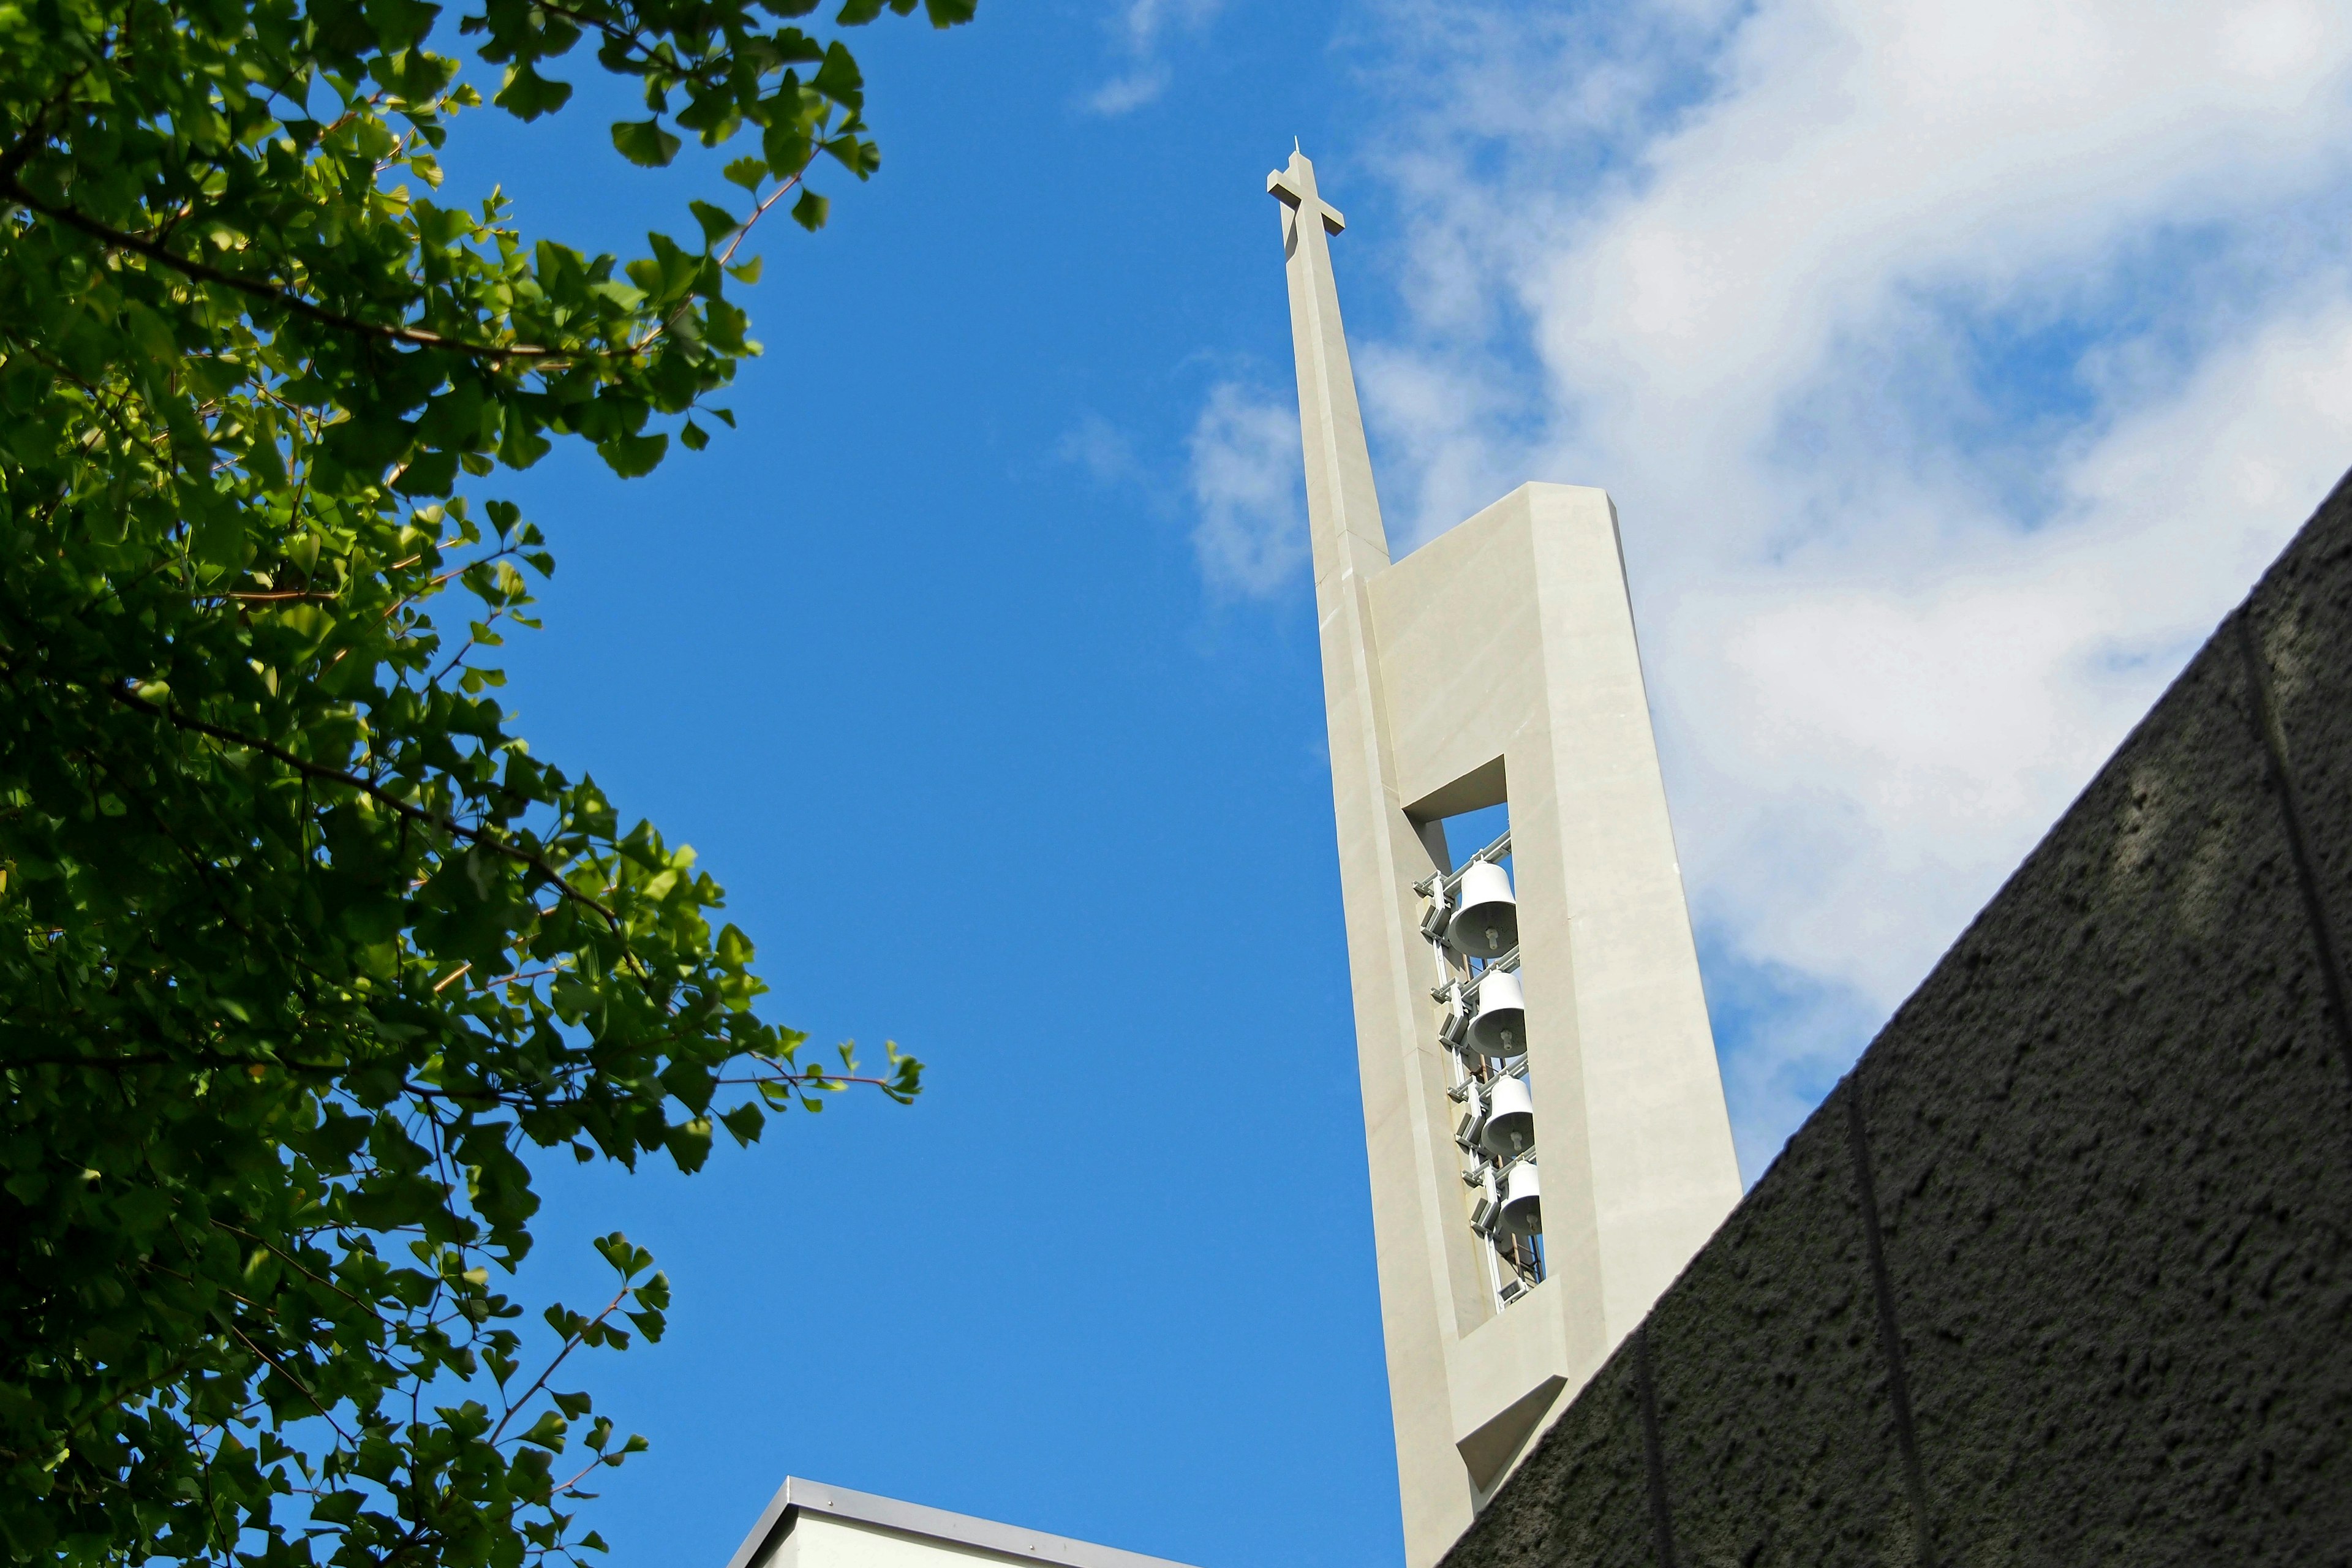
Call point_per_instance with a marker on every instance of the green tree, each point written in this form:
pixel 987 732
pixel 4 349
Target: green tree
pixel 302 952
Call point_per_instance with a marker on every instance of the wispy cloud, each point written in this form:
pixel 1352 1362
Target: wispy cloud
pixel 1953 367
pixel 1141 29
pixel 1247 483
pixel 1104 450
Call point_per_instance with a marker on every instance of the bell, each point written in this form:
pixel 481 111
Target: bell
pixel 1500 1029
pixel 1522 1210
pixel 1486 923
pixel 1510 1121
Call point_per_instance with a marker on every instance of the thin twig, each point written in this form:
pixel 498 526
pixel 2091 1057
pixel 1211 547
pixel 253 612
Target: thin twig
pixel 571 1342
pixel 246 596
pixel 473 640
pixel 757 213
pixel 296 1264
pixel 800 1078
pixel 324 1414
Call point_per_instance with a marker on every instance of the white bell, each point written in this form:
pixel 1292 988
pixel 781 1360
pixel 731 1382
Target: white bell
pixel 1486 923
pixel 1522 1211
pixel 1510 1121
pixel 1500 1029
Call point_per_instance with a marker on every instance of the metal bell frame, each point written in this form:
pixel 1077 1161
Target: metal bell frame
pixel 1470 922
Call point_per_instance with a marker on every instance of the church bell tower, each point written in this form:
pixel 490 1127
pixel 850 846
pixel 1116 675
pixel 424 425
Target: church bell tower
pixel 1543 1117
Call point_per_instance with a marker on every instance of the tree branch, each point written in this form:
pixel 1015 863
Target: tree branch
pixel 757 212
pixel 11 190
pixel 296 1264
pixel 570 1342
pixel 477 835
pixel 36 129
pixel 820 1078
pixel 226 1322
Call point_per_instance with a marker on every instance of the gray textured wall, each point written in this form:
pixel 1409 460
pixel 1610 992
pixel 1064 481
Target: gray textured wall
pixel 2062 1273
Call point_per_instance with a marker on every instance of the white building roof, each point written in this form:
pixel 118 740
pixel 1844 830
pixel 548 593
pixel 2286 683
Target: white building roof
pixel 797 1498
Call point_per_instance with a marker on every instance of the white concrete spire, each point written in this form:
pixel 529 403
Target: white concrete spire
pixel 1342 507
pixel 1497 664
pixel 1429 1289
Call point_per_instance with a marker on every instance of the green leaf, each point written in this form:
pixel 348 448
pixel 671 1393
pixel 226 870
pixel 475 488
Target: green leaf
pixel 547 1432
pixel 688 1144
pixel 717 222
pixel 644 142
pixel 810 211
pixel 788 148
pixel 747 173
pixel 370 440
pixel 627 1258
pixel 521 444
pixel 219 539
pixel 428 474
pixel 150 333
pixel 527 95
pixel 634 456
pixel 860 157
pixel 745 1123
pixel 838 78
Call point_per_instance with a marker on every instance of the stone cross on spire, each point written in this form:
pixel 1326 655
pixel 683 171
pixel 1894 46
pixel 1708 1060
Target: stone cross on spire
pixel 1343 508
pixel 1296 185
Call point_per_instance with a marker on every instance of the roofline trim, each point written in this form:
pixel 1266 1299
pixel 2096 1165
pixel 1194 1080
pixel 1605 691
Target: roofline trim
pixel 797 1495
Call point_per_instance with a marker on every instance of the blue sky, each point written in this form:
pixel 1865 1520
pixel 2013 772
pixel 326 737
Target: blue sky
pixel 979 666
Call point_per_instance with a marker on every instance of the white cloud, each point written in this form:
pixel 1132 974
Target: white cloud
pixel 1954 369
pixel 1247 482
pixel 1100 447
pixel 1871 744
pixel 1130 90
pixel 1141 28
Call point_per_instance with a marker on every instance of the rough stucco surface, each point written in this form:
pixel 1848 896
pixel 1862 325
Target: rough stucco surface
pixel 2108 1135
pixel 1774 1427
pixel 2303 624
pixel 2109 1142
pixel 1589 1502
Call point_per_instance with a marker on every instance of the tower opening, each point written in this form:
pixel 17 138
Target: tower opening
pixel 1470 922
